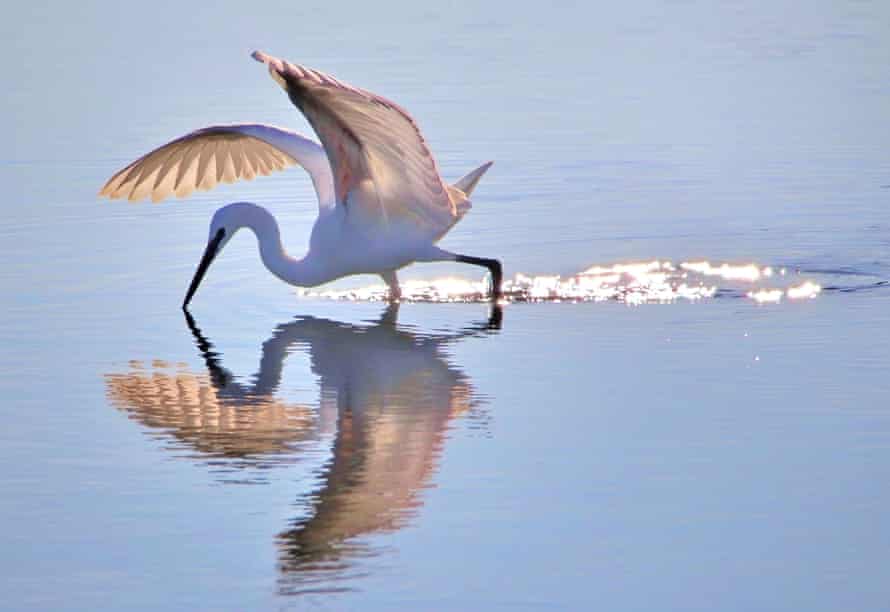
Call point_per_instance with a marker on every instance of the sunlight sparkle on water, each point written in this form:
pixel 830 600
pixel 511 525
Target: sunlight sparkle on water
pixel 632 283
pixel 762 296
pixel 748 272
pixel 807 290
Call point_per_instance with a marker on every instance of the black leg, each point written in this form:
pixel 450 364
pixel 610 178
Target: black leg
pixel 494 267
pixel 390 316
pixel 496 317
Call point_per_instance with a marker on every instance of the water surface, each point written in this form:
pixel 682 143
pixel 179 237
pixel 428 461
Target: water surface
pixel 704 450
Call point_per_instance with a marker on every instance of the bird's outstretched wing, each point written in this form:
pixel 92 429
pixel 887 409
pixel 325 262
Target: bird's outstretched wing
pixel 383 170
pixel 220 153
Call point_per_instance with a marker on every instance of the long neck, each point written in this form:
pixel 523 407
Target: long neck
pixel 305 272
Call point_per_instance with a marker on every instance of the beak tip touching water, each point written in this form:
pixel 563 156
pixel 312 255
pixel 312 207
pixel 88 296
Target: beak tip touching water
pixel 206 259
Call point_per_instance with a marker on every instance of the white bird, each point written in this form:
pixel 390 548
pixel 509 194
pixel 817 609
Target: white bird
pixel 382 204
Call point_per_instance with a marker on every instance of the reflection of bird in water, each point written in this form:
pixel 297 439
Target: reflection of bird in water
pixel 395 395
pixel 391 393
pixel 215 415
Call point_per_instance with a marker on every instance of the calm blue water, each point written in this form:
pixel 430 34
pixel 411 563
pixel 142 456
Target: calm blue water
pixel 287 452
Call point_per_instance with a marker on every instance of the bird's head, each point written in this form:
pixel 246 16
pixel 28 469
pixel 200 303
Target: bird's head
pixel 226 221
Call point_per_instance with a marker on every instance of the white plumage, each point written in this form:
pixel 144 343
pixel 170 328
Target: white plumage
pixel 382 202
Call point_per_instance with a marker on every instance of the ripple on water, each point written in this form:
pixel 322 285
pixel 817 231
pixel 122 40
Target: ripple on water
pixel 656 281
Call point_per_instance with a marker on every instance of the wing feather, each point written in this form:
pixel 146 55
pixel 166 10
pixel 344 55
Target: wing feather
pixel 220 159
pixel 249 170
pixel 142 186
pixel 208 151
pixel 270 159
pixel 238 158
pixel 228 175
pixel 189 164
pixel 259 162
pixel 188 172
pixel 220 154
pixel 166 178
pixel 383 170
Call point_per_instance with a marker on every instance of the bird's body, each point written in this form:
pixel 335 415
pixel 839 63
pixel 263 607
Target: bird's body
pixel 382 204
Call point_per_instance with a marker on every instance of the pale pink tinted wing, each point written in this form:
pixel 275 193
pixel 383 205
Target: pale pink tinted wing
pixel 383 170
pixel 218 154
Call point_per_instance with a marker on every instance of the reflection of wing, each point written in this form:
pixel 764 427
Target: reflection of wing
pixel 188 407
pixel 383 170
pixel 220 154
pixel 396 395
pixel 382 460
pixel 392 394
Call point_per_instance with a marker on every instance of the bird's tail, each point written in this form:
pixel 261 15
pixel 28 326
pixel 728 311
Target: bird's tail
pixel 468 183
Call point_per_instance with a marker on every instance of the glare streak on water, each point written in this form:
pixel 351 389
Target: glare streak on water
pixel 632 283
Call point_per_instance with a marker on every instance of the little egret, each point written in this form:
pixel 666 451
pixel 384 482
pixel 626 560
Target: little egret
pixel 382 204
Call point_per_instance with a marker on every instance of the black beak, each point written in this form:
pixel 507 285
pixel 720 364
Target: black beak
pixel 206 259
